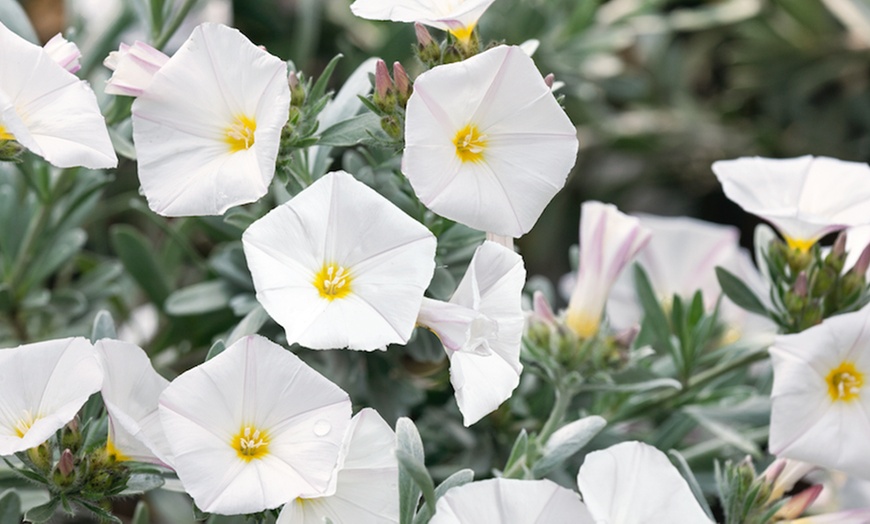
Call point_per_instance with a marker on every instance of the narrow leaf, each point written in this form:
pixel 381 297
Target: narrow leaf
pixel 200 298
pixel 739 293
pixel 103 327
pixel 417 471
pixel 567 441
pixel 408 440
pixel 137 255
pixel 460 478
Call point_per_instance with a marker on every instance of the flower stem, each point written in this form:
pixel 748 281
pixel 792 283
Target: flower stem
pixel 170 29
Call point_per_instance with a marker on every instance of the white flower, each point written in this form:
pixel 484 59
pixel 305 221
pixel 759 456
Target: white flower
pixel 821 394
pixel 457 16
pixel 207 126
pixel 42 387
pixel 805 198
pixel 486 143
pixel 64 52
pixel 680 259
pixel 133 66
pixel 49 110
pixel 130 391
pixel 340 266
pixel 253 428
pixel 635 483
pixel 510 501
pixel 609 240
pixel 365 486
pixel 481 328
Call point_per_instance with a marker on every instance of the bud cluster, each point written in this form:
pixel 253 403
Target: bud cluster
pixel 809 286
pixel 390 97
pixel 452 49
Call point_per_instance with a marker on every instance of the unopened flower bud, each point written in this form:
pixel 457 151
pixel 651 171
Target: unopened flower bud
pixel 403 83
pixel 798 260
pixel 823 280
pixel 549 79
pixel 66 464
pixel 41 457
pixel 385 92
pixel 424 39
pixel 452 54
pixel 812 315
pixel 799 503
pixel 390 124
pixel 297 91
pixel 863 262
pixel 800 284
pixel 542 309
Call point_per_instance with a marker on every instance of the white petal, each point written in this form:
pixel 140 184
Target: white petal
pixel 529 146
pixel 253 384
pixel 130 391
pixel 390 258
pixel 65 53
pixel 133 68
pixel 181 120
pixel 509 501
pixel 634 483
pixel 43 386
pixel 442 14
pixel 48 109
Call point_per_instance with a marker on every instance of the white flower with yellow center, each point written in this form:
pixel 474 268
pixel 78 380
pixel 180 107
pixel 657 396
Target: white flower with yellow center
pixel 481 328
pixel 609 240
pixel 821 394
pixel 340 266
pixel 207 125
pixel 805 198
pixel 130 391
pixel 459 17
pixel 635 483
pixel 511 501
pixel 365 486
pixel 49 110
pixel 253 428
pixel 486 143
pixel 42 387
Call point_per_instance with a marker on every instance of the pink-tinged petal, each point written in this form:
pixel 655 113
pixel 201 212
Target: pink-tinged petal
pixel 42 387
pixel 388 259
pixel 522 145
pixel 634 483
pixel 509 501
pixel 64 52
pixel 609 240
pixel 48 109
pixel 253 385
pixel 805 197
pixel 130 391
pixel 218 85
pixel 133 68
pixel 441 14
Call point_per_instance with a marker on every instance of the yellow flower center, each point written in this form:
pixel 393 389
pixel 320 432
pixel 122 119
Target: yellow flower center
pixel 801 245
pixel 240 134
pixel 845 382
pixel 469 144
pixel 251 443
pixel 333 281
pixel 5 134
pixel 24 424
pixel 463 34
pixel 115 453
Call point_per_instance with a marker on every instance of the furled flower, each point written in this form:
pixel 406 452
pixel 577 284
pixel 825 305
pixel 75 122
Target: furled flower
pixel 635 483
pixel 486 143
pixel 821 394
pixel 511 501
pixel 133 66
pixel 681 259
pixel 340 266
pixel 365 486
pixel 42 387
pixel 253 428
pixel 457 16
pixel 609 240
pixel 208 124
pixel 130 391
pixel 481 328
pixel 49 110
pixel 805 198
pixel 64 52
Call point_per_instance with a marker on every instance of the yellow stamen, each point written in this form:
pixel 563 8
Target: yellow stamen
pixel 582 324
pixel 251 443
pixel 25 423
pixel 470 144
pixel 333 281
pixel 5 134
pixel 115 453
pixel 463 34
pixel 801 245
pixel 240 134
pixel 845 382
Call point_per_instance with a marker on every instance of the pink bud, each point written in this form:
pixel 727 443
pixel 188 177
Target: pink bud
pixel 542 308
pixel 403 83
pixel 839 248
pixel 66 464
pixel 799 503
pixel 383 82
pixel 800 284
pixel 423 36
pixel 549 79
pixel 863 262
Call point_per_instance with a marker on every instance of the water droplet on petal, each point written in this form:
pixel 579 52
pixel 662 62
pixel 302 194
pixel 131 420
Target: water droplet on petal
pixel 322 428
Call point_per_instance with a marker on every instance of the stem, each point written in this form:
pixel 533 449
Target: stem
pixel 25 251
pixel 174 24
pixel 560 407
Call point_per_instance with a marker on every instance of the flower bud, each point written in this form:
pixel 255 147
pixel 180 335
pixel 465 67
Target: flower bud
pixel 799 503
pixel 392 127
pixel 403 83
pixel 385 92
pixel 541 308
pixel 297 91
pixel 823 280
pixel 549 79
pixel 837 257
